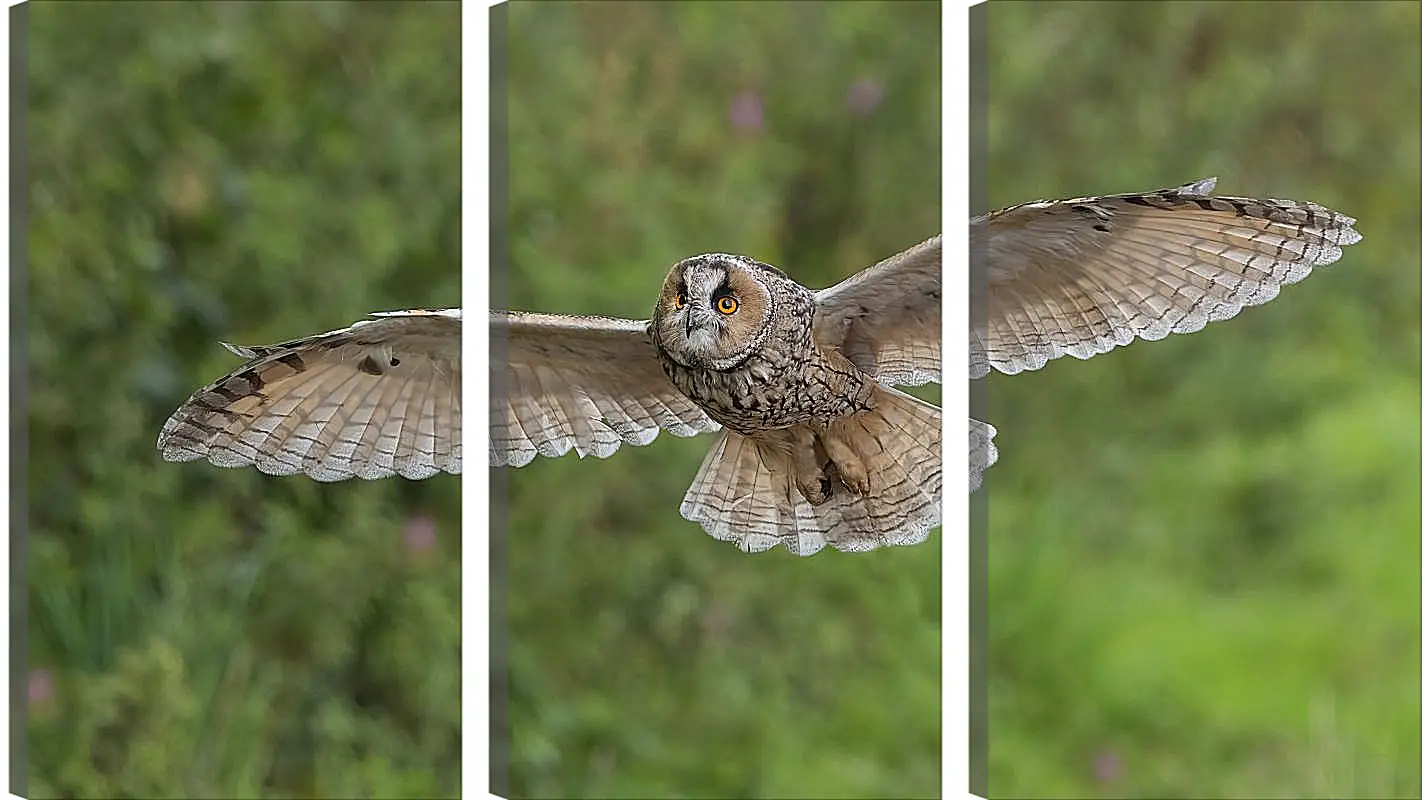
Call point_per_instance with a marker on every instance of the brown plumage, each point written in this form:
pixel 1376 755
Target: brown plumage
pixel 816 447
pixel 379 398
pixel 1081 277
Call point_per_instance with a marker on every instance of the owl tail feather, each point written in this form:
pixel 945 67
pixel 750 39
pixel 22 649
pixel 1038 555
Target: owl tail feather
pixel 746 491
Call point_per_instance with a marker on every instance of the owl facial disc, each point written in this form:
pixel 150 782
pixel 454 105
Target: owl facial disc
pixel 712 312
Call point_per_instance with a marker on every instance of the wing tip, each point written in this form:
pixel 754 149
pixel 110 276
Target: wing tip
pixel 1202 187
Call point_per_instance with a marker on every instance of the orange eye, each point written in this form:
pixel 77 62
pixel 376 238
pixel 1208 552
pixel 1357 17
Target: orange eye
pixel 679 300
pixel 727 305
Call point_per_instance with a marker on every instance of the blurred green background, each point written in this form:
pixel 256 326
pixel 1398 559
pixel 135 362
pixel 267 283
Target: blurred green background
pixel 252 173
pixel 1204 550
pixel 648 659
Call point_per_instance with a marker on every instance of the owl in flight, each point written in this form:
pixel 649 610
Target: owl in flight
pixel 815 445
pixel 1080 277
pixel 376 399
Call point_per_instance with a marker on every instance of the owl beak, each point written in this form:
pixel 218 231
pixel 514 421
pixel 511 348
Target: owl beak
pixel 695 320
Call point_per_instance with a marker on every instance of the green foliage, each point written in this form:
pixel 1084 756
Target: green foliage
pixel 1204 551
pixel 251 173
pixel 647 659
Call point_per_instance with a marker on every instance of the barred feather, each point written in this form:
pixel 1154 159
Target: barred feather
pixel 379 398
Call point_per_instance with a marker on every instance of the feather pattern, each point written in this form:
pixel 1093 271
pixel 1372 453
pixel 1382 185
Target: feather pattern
pixel 379 398
pixel 743 492
pixel 581 384
pixel 888 318
pixel 815 447
pixel 1081 277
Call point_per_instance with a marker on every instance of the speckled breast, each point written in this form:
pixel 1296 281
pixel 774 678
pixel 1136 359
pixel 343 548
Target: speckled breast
pixel 776 388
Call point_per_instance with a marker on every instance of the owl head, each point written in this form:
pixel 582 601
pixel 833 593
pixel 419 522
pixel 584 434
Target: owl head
pixel 715 309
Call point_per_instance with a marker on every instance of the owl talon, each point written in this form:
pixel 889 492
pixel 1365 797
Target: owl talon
pixel 858 484
pixel 816 490
pixel 847 465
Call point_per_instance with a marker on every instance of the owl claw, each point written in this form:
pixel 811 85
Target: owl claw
pixel 816 489
pixel 858 484
pixel 847 466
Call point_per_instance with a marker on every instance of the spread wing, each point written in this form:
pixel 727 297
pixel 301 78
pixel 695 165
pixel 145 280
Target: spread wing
pixel 887 318
pixel 1080 277
pixel 587 384
pixel 379 398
